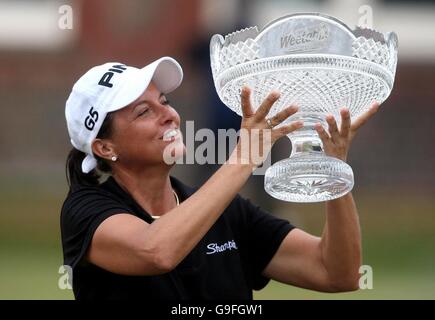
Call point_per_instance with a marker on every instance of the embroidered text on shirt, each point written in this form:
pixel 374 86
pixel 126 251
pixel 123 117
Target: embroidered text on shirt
pixel 215 248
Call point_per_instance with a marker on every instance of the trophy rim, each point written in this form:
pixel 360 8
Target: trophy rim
pixel 389 39
pixel 317 14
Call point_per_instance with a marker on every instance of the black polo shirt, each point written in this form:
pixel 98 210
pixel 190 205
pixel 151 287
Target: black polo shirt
pixel 226 263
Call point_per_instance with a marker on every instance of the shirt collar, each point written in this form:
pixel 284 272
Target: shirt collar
pixel 183 191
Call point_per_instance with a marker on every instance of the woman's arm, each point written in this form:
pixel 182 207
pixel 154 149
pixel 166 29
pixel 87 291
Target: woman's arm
pixel 341 243
pixel 330 263
pixel 125 244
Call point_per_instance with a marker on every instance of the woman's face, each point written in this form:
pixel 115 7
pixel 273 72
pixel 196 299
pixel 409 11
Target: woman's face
pixel 145 128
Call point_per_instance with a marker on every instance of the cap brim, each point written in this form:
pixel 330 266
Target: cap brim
pixel 165 72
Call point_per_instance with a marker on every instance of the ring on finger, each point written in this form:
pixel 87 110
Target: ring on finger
pixel 269 123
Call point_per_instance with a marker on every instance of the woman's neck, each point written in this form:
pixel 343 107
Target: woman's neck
pixel 151 188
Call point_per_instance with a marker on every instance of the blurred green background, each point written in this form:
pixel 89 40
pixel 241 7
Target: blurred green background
pixel 392 156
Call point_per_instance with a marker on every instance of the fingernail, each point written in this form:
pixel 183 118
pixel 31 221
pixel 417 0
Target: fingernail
pixel 275 94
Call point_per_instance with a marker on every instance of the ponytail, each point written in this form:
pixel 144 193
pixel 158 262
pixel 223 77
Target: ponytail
pixel 74 175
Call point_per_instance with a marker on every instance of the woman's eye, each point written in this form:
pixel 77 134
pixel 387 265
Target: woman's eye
pixel 143 112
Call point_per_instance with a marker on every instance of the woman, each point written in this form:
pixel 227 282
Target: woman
pixel 144 234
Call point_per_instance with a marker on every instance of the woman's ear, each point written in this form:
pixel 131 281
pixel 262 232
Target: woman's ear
pixel 103 148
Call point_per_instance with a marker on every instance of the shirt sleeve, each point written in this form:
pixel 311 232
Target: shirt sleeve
pixel 83 211
pixel 263 234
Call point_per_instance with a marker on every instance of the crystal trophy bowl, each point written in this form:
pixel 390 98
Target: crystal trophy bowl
pixel 319 64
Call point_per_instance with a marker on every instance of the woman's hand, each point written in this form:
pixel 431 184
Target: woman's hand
pixel 257 134
pixel 336 143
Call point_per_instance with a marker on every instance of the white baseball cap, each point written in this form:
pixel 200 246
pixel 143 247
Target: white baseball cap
pixel 110 87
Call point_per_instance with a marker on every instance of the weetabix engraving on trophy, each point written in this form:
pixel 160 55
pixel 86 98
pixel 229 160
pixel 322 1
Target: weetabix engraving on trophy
pixel 305 38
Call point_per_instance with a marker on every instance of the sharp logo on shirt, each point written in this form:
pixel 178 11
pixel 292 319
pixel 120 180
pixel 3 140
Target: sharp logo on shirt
pixel 215 248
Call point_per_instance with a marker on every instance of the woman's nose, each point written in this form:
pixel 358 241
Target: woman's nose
pixel 166 114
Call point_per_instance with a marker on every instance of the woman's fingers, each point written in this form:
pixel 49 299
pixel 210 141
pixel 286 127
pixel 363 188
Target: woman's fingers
pixel 286 129
pixel 283 115
pixel 264 108
pixel 332 127
pixel 345 122
pixel 324 136
pixel 365 116
pixel 246 102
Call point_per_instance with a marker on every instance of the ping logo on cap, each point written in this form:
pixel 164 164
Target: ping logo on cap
pixel 91 119
pixel 105 79
pixel 92 116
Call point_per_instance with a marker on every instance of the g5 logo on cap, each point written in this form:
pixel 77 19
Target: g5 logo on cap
pixel 91 119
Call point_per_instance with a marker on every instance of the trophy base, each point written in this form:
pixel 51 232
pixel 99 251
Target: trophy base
pixel 308 177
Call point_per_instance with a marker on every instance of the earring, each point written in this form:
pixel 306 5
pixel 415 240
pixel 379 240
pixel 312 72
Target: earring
pixel 114 158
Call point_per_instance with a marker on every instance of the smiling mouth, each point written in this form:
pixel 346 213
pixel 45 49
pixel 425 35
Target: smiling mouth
pixel 170 134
